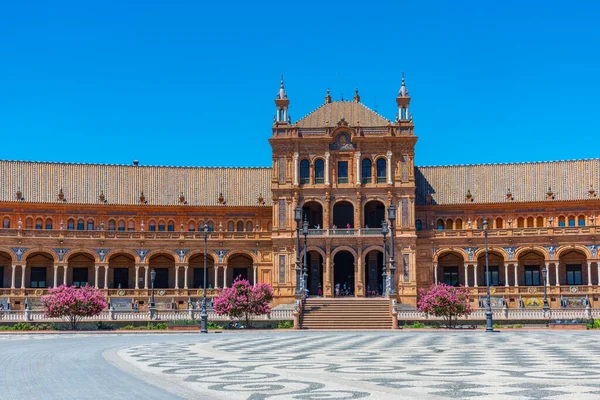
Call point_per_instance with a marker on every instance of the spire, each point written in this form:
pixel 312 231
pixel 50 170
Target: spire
pixel 403 92
pixel 328 97
pixel 403 101
pixel 356 96
pixel 282 103
pixel 282 94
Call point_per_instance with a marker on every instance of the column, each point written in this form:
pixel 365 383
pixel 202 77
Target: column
pixel 548 274
pixel 327 168
pixel 224 276
pixel 106 276
pixel 96 268
pixel 137 274
pixel 254 273
pixel 23 268
pixel 557 276
pixel 65 268
pixel 216 276
pixel 516 265
pixel 506 274
pixel 466 275
pixel 14 277
pixel 177 277
pixel 389 167
pixel 475 284
pixel 145 277
pixel 435 273
pixel 589 273
pixel 328 275
pixel 296 168
pixel 185 277
pixel 598 266
pixel 358 168
pixel 55 280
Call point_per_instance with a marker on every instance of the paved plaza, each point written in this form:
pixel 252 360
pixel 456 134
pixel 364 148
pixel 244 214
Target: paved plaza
pixel 302 365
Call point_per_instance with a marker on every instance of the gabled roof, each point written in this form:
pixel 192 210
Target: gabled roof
pixel 40 182
pixel 329 114
pixel 489 183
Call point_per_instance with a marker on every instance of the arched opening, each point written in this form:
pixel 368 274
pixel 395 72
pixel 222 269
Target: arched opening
pixel 164 266
pixel 112 225
pixel 571 220
pixel 374 273
pixel 6 223
pixel 539 222
pixel 304 171
pixel 121 225
pixel 520 222
pixel 5 272
pixel 81 270
pixel 374 214
pixel 381 170
pixel 152 226
pixel 38 223
pixel 191 226
pixel 131 225
pixel 240 265
pixel 39 266
pixel 249 226
pixel 530 268
pixel 561 220
pixel 171 226
pixel 313 211
pixel 495 267
pixel 581 220
pixel 230 226
pixel 459 223
pixel 449 224
pixel 450 269
pixel 196 269
pixel 48 223
pixel 161 226
pixel 343 214
pixel 29 223
pixel 343 273
pixel 530 222
pixel 240 226
pixel 314 267
pixel 440 224
pixel 418 225
pixel 366 170
pixel 499 223
pixel 71 224
pixel 90 225
pixel 319 171
pixel 572 268
pixel 122 267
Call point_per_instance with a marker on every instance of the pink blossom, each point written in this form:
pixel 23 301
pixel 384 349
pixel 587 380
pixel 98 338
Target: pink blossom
pixel 242 300
pixel 445 301
pixel 72 304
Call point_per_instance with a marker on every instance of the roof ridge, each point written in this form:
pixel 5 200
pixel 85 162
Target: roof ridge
pixel 132 166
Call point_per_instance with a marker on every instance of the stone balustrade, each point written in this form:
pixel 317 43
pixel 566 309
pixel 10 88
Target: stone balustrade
pixel 516 314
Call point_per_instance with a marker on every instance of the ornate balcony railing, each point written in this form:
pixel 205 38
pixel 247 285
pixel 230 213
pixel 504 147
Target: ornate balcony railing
pixel 345 232
pixel 559 230
pixel 510 314
pixel 105 234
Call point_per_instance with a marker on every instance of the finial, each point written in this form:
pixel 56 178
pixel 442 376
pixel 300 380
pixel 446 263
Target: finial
pixel 328 97
pixel 403 92
pixel 281 81
pixel 281 94
pixel 356 96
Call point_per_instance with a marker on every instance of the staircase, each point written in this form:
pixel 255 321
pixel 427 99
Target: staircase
pixel 346 313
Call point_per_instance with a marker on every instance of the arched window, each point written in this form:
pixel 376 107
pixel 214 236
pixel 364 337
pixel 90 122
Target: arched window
pixel 48 223
pixel 29 223
pixel 211 226
pixel 366 170
pixel 152 226
pixel 319 171
pixel 71 224
pixel 161 226
pixel 38 223
pixel 240 226
pixel 381 170
pixel 539 222
pixel 90 225
pixel 458 223
pixel 192 226
pixel 561 221
pixel 304 171
pixel 171 226
pixel 499 223
pixel 230 226
pixel 122 225
pixel 440 224
pixel 249 227
pixel 418 225
pixel 6 223
pixel 581 220
pixel 520 222
pixel 112 225
pixel 530 222
pixel 131 225
pixel 571 220
pixel 448 223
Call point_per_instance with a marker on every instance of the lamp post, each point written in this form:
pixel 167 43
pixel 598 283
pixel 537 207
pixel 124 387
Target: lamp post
pixel 392 218
pixel 305 266
pixel 488 312
pixel 203 313
pixel 384 232
pixel 152 305
pixel 546 306
pixel 298 218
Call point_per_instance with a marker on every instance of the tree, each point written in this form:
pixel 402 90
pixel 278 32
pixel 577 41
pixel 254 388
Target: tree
pixel 242 300
pixel 72 304
pixel 445 301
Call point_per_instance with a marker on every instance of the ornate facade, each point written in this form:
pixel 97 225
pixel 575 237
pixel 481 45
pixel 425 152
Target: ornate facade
pixel 344 165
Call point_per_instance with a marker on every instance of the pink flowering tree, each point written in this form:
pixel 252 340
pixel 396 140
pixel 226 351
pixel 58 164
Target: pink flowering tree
pixel 72 304
pixel 445 301
pixel 242 300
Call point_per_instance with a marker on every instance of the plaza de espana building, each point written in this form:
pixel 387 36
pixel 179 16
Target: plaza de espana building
pixel 344 165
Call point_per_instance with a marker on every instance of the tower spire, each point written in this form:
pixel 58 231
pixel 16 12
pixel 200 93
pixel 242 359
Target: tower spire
pixel 403 101
pixel 282 103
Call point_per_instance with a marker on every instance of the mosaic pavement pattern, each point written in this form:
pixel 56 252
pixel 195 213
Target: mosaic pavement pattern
pixel 374 365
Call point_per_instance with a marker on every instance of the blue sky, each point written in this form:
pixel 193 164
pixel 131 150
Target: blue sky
pixel 191 83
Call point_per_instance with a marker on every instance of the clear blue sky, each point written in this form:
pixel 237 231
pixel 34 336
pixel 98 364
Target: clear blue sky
pixel 193 83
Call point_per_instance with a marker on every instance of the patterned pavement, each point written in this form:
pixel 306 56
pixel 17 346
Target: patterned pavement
pixel 305 365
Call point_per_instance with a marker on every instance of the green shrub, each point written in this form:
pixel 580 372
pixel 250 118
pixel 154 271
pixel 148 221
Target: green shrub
pixel 23 326
pixel 128 328
pixel 497 325
pixel 285 325
pixel 184 322
pixel 518 326
pixel 212 325
pixel 102 326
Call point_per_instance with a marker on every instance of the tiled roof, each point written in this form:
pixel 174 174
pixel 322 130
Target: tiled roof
pixel 330 114
pixel 489 183
pixel 122 184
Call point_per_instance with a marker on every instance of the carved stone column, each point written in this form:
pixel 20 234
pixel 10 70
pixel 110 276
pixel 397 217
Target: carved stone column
pixel 516 265
pixel 137 274
pixel 23 268
pixel 296 156
pixel 505 274
pixel 254 274
pixel 466 275
pixel 185 276
pixel 435 273
pixel 358 167
pixel 589 265
pixel 389 167
pixel 106 276
pixel 55 277
pixel 475 275
pixel 96 269
pixel 146 276
pixel 216 275
pixel 224 276
pixel 557 275
pixel 176 276
pixel 65 268
pixel 14 276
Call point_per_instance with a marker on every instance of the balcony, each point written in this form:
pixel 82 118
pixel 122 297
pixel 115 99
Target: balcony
pixel 345 232
pixel 463 233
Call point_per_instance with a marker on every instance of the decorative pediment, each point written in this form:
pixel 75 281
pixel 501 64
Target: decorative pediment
pixel 342 142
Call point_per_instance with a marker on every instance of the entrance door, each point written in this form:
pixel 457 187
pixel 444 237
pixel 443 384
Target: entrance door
pixel 199 277
pixel 343 273
pixel 121 277
pixel 162 278
pixel 314 273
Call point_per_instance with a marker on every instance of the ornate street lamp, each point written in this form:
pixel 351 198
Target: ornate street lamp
pixel 305 266
pixel 298 219
pixel 203 313
pixel 488 312
pixel 392 218
pixel 384 232
pixel 546 306
pixel 152 305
